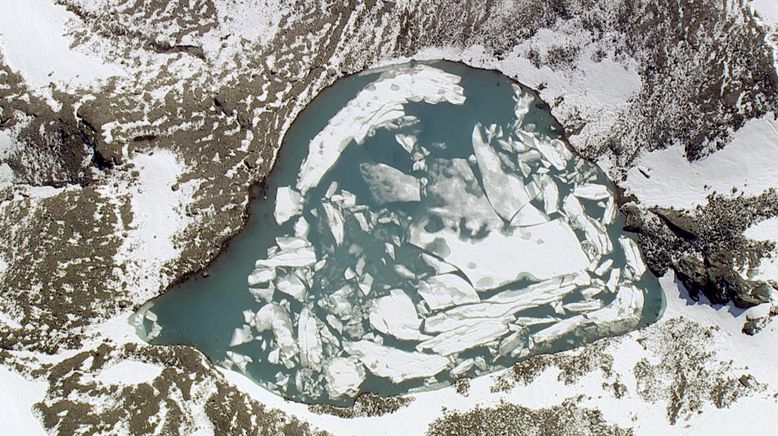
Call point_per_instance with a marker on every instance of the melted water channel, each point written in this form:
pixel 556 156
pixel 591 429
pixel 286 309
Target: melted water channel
pixel 423 222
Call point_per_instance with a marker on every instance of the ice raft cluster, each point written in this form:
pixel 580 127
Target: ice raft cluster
pixel 458 267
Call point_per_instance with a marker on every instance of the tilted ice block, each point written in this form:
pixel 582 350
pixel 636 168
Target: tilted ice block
pixel 289 243
pixel 523 103
pixel 331 190
pixel 594 231
pixel 591 191
pixel 396 315
pixel 380 104
pixel 512 342
pixel 261 275
pixel 335 221
pixel 550 196
pixel 633 257
pixel 406 141
pixel 558 330
pixel 343 375
pixel 604 267
pixel 301 228
pixel 553 153
pixel 311 352
pixel 366 284
pixel 289 203
pixel 622 314
pixel 446 290
pixel 263 293
pixel 584 306
pixel 388 184
pixel 344 199
pixel 610 212
pixel 498 259
pixel 503 305
pixel 241 336
pixel 275 317
pixel 505 191
pixel 292 286
pixel 394 364
pixel 465 337
pixel 298 258
pixel 438 265
pixel 527 216
pixel 463 367
pixel 613 280
pixel 238 360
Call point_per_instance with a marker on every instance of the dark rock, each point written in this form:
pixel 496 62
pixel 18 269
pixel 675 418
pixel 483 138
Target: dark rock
pixel 715 277
pixel 223 102
pixel 681 224
pixel 634 222
pixel 691 271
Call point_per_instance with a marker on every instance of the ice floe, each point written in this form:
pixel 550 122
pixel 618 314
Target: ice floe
pixel 395 364
pixel 289 203
pixel 388 184
pixel 446 290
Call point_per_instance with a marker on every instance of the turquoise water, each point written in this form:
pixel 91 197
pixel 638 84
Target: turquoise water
pixel 404 218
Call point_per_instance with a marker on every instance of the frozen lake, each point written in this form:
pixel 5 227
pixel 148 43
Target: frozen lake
pixel 424 222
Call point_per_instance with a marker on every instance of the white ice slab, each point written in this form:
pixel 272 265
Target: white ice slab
pixel 505 304
pixel 406 141
pixel 465 337
pixel 504 190
pixel 301 257
pixel 311 351
pixel 344 375
pixel 334 219
pixel 394 364
pixel 633 256
pixel 289 204
pixel 499 259
pixel 591 191
pixel 241 335
pixel 446 290
pixel 395 315
pixel 275 317
pixel 292 286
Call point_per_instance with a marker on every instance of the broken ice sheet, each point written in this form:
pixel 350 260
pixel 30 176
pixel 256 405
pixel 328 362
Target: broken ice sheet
pixel 426 228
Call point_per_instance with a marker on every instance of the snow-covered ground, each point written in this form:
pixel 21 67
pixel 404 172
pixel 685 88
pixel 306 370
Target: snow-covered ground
pixel 766 230
pixel 158 204
pixel 747 163
pixel 33 42
pixel 17 395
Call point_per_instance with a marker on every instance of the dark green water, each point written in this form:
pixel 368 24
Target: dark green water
pixel 451 206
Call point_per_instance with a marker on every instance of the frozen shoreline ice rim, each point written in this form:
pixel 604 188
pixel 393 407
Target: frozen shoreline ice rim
pixel 468 307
